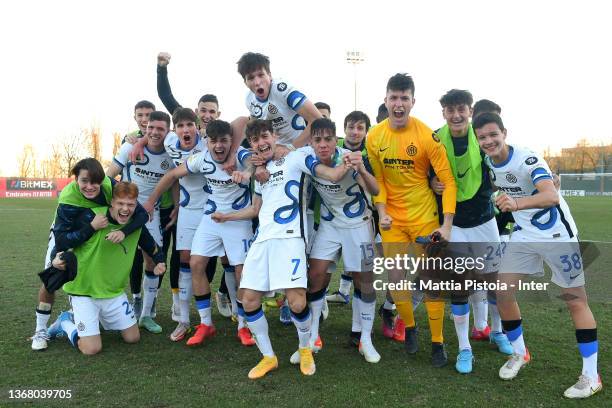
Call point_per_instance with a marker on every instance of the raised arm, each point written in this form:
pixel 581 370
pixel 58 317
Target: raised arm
pixel 309 112
pixel 245 214
pixel 163 85
pixel 164 184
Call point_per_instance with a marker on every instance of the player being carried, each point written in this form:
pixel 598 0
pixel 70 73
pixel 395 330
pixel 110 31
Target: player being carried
pixel 544 232
pixel 97 293
pixel 277 258
pixel 211 239
pixel 146 173
pixel 90 189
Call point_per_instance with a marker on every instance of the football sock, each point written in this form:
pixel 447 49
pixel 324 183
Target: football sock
pixel 149 287
pixel 241 315
pixel 367 306
pixel 185 291
pixel 315 301
pixel 406 311
pixel 203 306
pixel 356 326
pixel 303 322
pixel 588 346
pixel 496 323
pixel 230 282
pixel 70 329
pixel 256 320
pixel 345 284
pixel 43 314
pixel 479 305
pixel 461 317
pixel 514 331
pixel 435 311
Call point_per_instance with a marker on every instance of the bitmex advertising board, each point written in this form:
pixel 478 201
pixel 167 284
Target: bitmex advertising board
pixel 19 187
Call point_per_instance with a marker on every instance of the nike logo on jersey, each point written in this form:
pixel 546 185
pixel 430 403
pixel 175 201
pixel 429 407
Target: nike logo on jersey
pixel 382 150
pixel 460 175
pixel 575 276
pixel 294 279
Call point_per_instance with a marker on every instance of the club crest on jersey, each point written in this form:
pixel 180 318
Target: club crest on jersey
pixel 256 111
pixel 165 165
pixel 511 178
pixel 435 137
pixel 81 326
pixel 279 162
pixel 281 86
pixel 411 150
pixel 272 109
pixel 531 160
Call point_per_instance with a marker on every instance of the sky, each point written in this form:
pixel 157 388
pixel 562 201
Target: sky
pixel 70 64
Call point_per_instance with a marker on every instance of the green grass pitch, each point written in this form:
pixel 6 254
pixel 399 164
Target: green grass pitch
pixel 159 373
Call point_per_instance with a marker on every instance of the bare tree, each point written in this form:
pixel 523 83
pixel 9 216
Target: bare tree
pixel 92 136
pixel 71 149
pixel 116 143
pixel 27 161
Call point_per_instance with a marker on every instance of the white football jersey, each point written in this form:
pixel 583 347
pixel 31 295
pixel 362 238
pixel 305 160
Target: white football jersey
pixel 223 194
pixel 517 177
pixel 343 204
pixel 283 198
pixel 281 108
pixel 192 186
pixel 145 173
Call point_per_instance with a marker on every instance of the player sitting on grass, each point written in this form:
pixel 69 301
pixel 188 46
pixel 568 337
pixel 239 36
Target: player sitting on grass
pixel 97 293
pixel 544 232
pixel 91 188
pixel 277 258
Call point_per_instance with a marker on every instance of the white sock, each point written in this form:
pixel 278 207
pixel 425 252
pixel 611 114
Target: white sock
pixel 230 282
pixel 589 367
pixel 136 296
pixel 204 311
pixel 479 306
pixel 43 314
pixel 356 326
pixel 367 310
pixel 149 286
pixel 240 314
pixel 175 297
pixel 461 317
pixel 516 339
pixel 315 309
pixel 70 329
pixel 496 325
pixel 185 293
pixel 303 323
pixel 258 325
pixel 345 284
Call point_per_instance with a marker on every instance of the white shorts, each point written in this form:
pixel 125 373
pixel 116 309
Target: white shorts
pixel 310 230
pixel 482 241
pixel 355 244
pixel 232 238
pixel 525 256
pixel 277 263
pixel 154 227
pixel 186 226
pixel 114 314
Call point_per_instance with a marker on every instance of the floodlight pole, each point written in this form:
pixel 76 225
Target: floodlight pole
pixel 354 58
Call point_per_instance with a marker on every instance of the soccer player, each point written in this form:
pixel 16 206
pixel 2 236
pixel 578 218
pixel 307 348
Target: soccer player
pixel 89 189
pixel 474 221
pixel 544 232
pixel 401 150
pixel 97 293
pixel 180 145
pixel 212 239
pixel 277 258
pixel 207 110
pixel 146 173
pixel 142 111
pixel 346 226
pixel 324 109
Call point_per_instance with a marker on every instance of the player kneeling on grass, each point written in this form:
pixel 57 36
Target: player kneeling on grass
pixel 346 226
pixel 544 232
pixel 97 293
pixel 277 258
